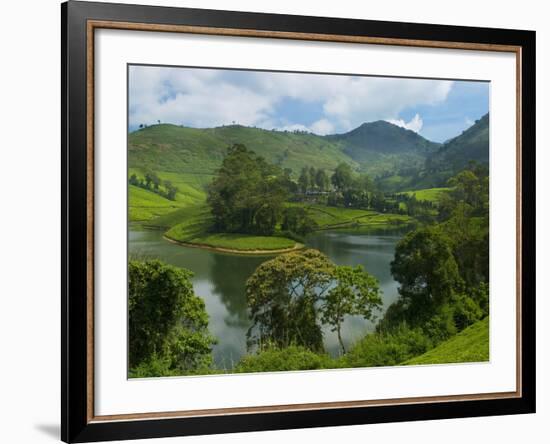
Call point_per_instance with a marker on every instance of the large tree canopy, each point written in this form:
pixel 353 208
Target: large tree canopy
pixel 291 296
pixel 342 177
pixel 425 267
pixel 168 323
pixel 247 194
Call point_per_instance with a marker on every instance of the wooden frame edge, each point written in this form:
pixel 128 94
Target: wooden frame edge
pixel 105 24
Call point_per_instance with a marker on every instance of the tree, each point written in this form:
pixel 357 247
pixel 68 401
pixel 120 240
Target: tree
pixel 148 179
pixel 304 180
pixel 470 187
pixel 428 274
pixel 133 180
pixel 364 183
pixel 247 194
pixel 156 181
pixel 342 177
pixel 312 176
pixel 297 220
pixel 321 180
pixel 291 296
pixel 171 190
pixel 282 295
pixel 355 292
pixel 168 323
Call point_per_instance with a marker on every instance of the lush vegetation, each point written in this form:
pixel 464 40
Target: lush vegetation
pixel 154 183
pixel 470 345
pixel 291 296
pixel 397 159
pixel 251 197
pixel 146 205
pixel 402 346
pixel 247 194
pixel 428 194
pixel 168 323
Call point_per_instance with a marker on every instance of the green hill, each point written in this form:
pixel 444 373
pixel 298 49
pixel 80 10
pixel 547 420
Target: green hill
pixel 399 159
pixel 373 148
pixel 172 148
pixel 382 146
pixel 145 205
pixel 382 137
pixel 470 345
pixel 457 153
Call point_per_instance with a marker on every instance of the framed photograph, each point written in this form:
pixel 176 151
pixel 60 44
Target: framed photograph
pixel 276 221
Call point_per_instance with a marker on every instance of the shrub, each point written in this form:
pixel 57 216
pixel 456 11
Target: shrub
pixel 285 359
pixel 387 349
pixel 466 311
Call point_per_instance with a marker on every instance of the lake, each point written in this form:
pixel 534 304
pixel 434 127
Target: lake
pixel 220 278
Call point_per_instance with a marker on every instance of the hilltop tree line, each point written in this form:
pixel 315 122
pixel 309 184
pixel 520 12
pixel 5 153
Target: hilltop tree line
pixel 152 182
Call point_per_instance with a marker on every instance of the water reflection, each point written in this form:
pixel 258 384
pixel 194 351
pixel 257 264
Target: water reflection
pixel 220 280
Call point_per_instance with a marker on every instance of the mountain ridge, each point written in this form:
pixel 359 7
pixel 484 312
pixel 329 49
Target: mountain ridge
pixel 377 148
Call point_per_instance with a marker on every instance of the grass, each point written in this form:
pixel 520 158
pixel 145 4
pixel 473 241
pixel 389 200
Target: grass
pixel 428 194
pixel 145 205
pixel 167 147
pixel 192 222
pixel 191 214
pixel 470 345
pixel 244 242
pixel 332 217
pixel 191 225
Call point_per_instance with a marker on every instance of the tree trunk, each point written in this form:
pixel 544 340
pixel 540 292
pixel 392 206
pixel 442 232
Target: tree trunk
pixel 340 340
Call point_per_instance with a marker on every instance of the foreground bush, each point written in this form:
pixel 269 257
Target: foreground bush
pixel 286 359
pixel 168 323
pixel 386 349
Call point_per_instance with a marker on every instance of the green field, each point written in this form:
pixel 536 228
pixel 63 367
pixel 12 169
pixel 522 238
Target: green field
pixel 145 205
pixel 470 345
pixel 332 217
pixel 191 225
pixel 428 194
pixel 243 242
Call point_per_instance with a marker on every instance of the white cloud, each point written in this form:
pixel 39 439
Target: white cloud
pixel 206 98
pixel 322 127
pixel 415 124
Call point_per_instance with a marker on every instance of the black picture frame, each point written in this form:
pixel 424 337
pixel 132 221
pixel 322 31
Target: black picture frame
pixel 76 423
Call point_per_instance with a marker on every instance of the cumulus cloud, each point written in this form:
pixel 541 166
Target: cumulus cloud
pixel 322 127
pixel 415 124
pixel 206 98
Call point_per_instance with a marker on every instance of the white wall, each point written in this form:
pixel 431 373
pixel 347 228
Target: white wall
pixel 30 206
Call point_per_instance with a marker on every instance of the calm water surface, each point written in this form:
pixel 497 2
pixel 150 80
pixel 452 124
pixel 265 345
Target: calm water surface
pixel 220 278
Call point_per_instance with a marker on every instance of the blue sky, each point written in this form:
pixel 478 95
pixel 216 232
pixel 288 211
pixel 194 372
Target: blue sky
pixel 322 104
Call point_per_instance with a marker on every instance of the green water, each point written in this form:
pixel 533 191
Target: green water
pixel 220 278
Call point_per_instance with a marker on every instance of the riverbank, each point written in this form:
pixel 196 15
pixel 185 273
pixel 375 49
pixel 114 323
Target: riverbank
pixel 255 251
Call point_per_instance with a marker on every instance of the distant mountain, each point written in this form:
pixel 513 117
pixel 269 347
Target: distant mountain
pixel 398 157
pixel 471 145
pixel 452 157
pixel 381 147
pixel 382 137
